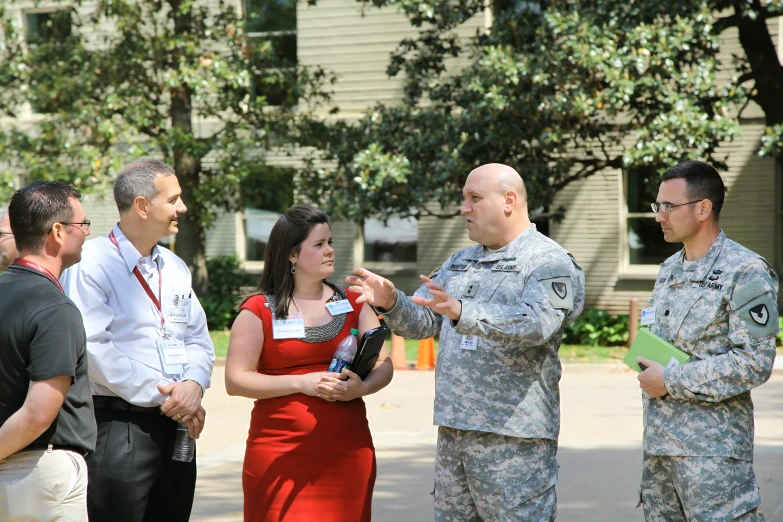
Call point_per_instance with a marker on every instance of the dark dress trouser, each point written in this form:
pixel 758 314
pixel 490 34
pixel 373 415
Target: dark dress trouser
pixel 131 477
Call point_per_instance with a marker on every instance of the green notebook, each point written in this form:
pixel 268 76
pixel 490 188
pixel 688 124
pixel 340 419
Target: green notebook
pixel 652 347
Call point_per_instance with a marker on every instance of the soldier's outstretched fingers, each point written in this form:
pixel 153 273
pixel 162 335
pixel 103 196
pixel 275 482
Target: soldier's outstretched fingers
pixel 372 288
pixel 422 301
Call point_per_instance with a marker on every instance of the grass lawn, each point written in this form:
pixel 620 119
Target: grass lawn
pixel 574 353
pixel 220 338
pixel 568 353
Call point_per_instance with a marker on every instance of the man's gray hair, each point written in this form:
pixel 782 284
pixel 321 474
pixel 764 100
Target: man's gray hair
pixel 138 179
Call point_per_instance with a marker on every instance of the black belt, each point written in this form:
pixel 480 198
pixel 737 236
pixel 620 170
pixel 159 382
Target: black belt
pixel 115 403
pixel 66 447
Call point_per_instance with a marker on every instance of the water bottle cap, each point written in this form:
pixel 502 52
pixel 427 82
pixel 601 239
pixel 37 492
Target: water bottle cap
pixel 354 331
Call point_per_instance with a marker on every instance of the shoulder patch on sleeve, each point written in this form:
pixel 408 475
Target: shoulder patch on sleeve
pixel 433 273
pixel 560 292
pixel 760 317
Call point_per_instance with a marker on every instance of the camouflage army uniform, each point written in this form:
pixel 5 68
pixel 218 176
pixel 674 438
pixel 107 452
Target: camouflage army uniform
pixel 497 400
pixel 698 439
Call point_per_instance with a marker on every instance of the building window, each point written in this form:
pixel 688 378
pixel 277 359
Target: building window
pixel 645 244
pixel 48 27
pixel 392 242
pixel 47 34
pixel 257 226
pixel 271 28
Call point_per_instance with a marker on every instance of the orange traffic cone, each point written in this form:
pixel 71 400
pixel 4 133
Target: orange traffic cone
pixel 426 359
pixel 398 353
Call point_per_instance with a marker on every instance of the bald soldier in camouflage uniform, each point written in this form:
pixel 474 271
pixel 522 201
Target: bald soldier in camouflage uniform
pixel 715 300
pixel 500 308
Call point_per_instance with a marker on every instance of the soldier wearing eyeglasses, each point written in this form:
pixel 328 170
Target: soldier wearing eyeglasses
pixel 717 301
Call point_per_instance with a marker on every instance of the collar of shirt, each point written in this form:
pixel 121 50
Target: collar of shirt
pixel 131 255
pixel 701 268
pixel 479 252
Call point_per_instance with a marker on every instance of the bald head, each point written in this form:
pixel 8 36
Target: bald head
pixel 502 178
pixel 495 205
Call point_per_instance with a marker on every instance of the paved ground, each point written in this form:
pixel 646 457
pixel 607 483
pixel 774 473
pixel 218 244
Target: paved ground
pixel 599 455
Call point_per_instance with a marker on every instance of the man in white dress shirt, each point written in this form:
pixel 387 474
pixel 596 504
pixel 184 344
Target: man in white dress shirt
pixel 150 355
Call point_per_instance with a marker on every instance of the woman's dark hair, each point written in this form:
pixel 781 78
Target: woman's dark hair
pixel 286 238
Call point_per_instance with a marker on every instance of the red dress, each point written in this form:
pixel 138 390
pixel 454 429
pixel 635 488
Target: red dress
pixel 306 459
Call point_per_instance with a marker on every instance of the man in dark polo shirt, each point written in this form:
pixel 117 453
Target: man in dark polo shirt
pixel 47 424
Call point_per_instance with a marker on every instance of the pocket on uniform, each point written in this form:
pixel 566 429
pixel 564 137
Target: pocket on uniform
pixel 518 494
pixel 746 497
pixel 732 502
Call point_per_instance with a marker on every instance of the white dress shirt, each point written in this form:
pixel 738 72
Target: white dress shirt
pixel 123 323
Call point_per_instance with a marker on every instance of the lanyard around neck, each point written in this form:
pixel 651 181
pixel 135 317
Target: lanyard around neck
pixel 39 268
pixel 143 282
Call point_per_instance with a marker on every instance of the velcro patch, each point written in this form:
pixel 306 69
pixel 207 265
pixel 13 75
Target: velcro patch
pixel 505 267
pixel 760 317
pixel 560 292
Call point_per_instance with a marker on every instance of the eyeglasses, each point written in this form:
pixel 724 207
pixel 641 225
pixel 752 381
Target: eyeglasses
pixel 6 233
pixel 85 223
pixel 667 207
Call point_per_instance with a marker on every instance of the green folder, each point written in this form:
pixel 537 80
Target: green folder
pixel 650 346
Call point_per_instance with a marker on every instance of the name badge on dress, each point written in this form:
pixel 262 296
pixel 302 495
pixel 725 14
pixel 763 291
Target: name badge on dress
pixel 291 328
pixel 469 342
pixel 343 306
pixel 648 316
pixel 173 354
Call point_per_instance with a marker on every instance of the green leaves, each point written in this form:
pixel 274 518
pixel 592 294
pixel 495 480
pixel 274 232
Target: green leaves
pixel 559 91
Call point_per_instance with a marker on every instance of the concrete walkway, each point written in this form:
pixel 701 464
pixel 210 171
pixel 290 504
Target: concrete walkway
pixel 599 454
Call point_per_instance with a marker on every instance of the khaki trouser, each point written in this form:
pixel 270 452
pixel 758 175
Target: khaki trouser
pixel 44 486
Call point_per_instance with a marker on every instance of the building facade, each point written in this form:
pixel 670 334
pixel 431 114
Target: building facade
pixel 606 226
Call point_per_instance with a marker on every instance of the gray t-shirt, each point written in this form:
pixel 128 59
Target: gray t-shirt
pixel 41 337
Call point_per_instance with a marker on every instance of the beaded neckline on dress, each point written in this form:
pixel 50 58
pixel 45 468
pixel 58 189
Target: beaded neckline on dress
pixel 326 332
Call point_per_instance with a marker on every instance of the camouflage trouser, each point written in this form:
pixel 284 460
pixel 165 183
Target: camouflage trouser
pixel 485 476
pixel 699 489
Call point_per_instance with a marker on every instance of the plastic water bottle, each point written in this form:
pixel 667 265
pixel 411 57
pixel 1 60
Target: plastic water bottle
pixel 343 357
pixel 184 445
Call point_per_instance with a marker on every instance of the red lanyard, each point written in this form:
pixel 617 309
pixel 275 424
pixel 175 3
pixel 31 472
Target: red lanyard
pixel 143 282
pixel 39 268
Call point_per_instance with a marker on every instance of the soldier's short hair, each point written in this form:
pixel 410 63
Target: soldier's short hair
pixel 138 179
pixel 702 182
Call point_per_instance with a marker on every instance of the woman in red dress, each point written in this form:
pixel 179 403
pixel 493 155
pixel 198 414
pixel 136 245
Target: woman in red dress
pixel 309 452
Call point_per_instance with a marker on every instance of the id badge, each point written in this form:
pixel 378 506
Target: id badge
pixel 178 314
pixel 343 306
pixel 173 355
pixel 469 342
pixel 288 328
pixel 648 316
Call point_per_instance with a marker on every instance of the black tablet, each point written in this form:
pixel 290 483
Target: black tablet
pixel 367 353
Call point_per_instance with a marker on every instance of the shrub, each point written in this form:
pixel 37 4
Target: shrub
pixel 597 328
pixel 779 338
pixel 226 278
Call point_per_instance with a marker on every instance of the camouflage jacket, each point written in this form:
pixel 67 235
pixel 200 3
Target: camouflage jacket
pixel 498 369
pixel 722 310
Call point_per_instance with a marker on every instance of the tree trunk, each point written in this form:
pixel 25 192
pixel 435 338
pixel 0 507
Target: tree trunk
pixel 763 59
pixel 191 240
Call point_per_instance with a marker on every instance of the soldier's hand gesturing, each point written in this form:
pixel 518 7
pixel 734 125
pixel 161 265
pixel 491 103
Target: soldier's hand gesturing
pixel 373 289
pixel 651 379
pixel 442 302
